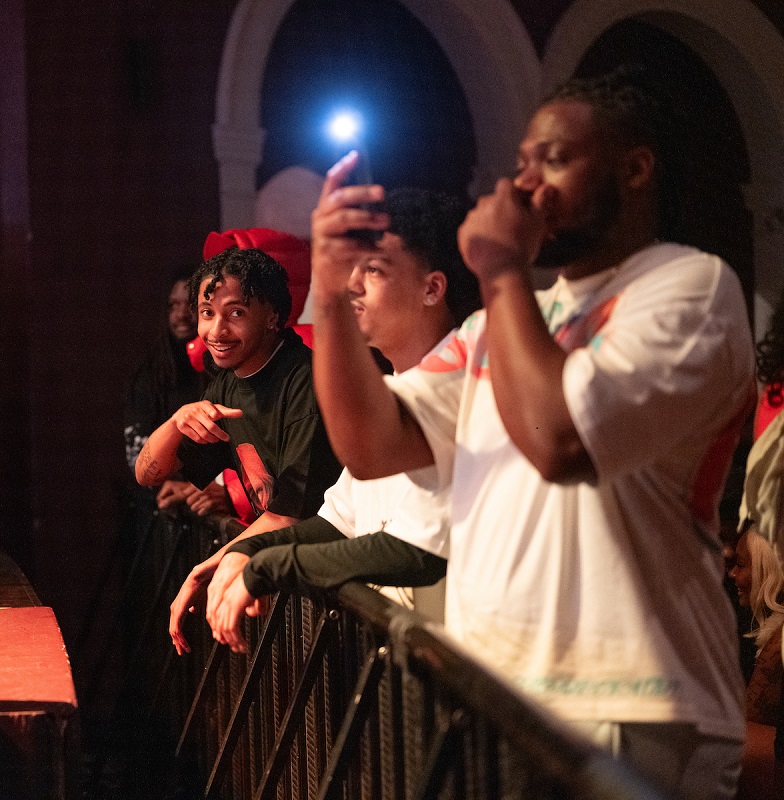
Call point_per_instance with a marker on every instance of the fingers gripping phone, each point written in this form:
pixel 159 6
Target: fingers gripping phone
pixel 345 128
pixel 361 176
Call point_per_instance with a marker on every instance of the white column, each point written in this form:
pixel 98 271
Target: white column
pixel 238 153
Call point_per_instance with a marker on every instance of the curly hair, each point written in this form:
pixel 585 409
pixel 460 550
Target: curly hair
pixel 427 222
pixel 259 275
pixel 631 104
pixel 770 357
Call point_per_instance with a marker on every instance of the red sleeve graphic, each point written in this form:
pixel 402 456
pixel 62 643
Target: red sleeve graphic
pixel 255 478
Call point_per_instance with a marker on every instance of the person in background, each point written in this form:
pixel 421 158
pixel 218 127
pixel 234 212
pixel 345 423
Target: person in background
pixel 760 584
pixel 166 379
pixel 770 371
pixel 259 414
pixel 763 487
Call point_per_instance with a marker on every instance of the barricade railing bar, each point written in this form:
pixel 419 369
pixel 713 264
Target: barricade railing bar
pixel 342 696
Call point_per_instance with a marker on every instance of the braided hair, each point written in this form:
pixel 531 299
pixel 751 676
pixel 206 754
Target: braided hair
pixel 631 104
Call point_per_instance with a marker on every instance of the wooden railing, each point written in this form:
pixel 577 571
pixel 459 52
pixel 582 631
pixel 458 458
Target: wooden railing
pixel 38 712
pixel 343 695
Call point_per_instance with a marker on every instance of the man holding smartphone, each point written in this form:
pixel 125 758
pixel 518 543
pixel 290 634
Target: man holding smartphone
pixel 587 431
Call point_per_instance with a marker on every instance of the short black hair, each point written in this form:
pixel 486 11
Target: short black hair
pixel 259 275
pixel 427 222
pixel 631 104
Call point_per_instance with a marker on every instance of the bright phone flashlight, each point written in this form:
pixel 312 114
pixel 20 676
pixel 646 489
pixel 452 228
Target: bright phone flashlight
pixel 345 126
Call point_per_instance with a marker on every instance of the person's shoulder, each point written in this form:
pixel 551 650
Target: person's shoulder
pixel 291 368
pixel 683 270
pixel 474 322
pixel 663 257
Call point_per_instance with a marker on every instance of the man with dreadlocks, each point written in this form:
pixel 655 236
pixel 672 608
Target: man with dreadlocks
pixel 165 380
pixel 586 429
pixel 259 414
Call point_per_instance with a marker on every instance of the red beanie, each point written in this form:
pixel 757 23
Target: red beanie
pixel 291 252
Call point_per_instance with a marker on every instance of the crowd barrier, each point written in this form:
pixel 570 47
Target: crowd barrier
pixel 342 695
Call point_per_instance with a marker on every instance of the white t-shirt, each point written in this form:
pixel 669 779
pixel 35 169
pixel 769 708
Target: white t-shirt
pixel 604 601
pixel 410 507
pixel 414 508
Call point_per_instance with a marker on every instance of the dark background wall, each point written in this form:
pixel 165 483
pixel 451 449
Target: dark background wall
pixel 107 181
pixel 112 105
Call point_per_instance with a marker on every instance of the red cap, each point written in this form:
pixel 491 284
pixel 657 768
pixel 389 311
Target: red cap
pixel 291 252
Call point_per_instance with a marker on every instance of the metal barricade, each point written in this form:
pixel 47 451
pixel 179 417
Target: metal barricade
pixel 342 696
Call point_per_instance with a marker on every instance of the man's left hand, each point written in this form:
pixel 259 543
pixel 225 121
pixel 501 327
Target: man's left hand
pixel 226 620
pixel 503 233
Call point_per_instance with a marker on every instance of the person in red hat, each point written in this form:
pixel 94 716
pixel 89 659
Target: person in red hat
pixel 259 415
pixel 227 494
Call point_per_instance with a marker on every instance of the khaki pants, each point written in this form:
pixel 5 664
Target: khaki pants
pixel 673 756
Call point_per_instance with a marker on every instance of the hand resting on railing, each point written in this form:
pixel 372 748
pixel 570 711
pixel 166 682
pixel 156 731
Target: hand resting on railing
pixel 310 555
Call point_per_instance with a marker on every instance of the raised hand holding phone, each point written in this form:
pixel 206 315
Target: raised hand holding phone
pixel 345 128
pixel 343 208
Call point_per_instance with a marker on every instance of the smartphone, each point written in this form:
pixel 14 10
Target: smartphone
pixel 362 176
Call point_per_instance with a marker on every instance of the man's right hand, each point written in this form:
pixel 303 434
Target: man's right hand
pixel 192 594
pixel 502 233
pixel 339 210
pixel 198 421
pixel 158 459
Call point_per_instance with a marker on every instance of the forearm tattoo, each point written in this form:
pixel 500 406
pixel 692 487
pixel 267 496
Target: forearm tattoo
pixel 150 468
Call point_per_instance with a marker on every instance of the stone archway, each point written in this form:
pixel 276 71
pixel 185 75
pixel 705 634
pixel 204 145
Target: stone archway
pixel 746 54
pixel 488 48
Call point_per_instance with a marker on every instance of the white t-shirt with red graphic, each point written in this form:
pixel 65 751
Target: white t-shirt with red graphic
pixel 603 601
pixel 414 508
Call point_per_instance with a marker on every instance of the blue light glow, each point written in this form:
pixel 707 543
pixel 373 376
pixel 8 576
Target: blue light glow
pixel 345 126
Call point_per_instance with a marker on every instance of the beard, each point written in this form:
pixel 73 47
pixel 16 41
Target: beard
pixel 568 245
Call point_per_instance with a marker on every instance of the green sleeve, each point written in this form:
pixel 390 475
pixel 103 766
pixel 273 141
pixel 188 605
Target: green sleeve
pixel 377 558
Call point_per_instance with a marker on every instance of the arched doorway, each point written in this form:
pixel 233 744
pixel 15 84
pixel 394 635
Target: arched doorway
pixel 714 216
pixel 745 53
pixel 379 60
pixel 488 50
